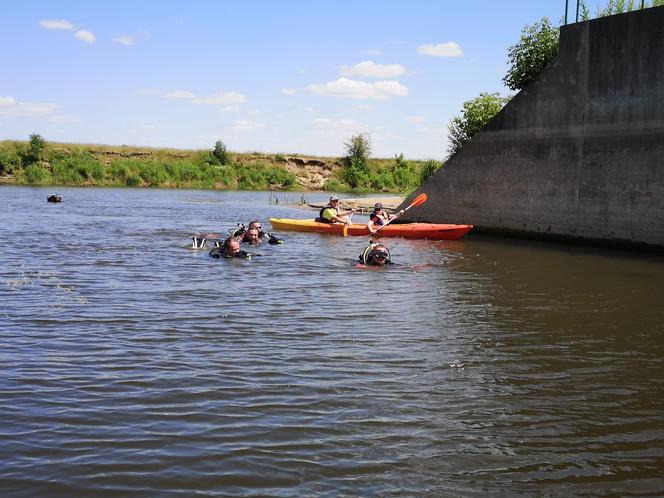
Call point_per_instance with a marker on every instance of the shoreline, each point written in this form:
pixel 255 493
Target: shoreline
pixel 360 204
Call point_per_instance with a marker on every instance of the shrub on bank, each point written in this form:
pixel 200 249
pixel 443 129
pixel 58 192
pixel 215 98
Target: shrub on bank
pixel 76 168
pixel 257 176
pixel 35 175
pixel 151 172
pixel 10 160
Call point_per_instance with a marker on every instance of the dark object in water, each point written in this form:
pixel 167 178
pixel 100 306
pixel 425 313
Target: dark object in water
pixel 218 252
pixel 54 198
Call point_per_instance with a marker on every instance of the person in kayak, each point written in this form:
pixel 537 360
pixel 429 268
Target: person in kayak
pixel 332 213
pixel 376 254
pixel 379 217
pixel 229 249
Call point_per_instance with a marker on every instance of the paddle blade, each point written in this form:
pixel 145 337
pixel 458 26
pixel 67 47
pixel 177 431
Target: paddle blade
pixel 420 199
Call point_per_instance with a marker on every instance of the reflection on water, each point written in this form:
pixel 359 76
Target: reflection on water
pixel 132 365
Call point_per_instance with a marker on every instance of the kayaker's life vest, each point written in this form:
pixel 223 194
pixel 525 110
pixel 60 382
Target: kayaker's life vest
pixel 377 220
pixel 321 218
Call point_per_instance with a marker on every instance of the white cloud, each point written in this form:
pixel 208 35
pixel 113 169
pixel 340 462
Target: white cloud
pixel 10 107
pixel 57 24
pixel 288 91
pixel 449 49
pixel 231 108
pixel 369 69
pixel 222 98
pixel 245 125
pixel 352 89
pixel 373 52
pixel 415 119
pixel 178 94
pixel 127 40
pixel 85 36
pixel 81 34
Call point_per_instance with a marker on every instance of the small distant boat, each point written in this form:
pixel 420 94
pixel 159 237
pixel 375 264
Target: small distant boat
pixel 54 198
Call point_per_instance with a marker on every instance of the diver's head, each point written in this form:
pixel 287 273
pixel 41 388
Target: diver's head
pixel 378 255
pixel 231 247
pixel 252 236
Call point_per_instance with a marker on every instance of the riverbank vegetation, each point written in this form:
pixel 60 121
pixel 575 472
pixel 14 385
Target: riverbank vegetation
pixel 38 162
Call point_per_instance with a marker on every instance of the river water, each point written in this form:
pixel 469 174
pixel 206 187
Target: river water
pixel 133 365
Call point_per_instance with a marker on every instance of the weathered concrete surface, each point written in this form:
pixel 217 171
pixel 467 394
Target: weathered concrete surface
pixel 577 154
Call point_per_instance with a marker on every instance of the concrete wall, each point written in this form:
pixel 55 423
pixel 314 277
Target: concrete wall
pixel 578 153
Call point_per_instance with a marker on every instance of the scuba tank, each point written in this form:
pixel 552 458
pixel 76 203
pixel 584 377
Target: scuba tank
pixel 239 231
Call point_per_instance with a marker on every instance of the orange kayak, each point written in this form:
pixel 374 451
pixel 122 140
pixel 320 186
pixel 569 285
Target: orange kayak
pixel 437 231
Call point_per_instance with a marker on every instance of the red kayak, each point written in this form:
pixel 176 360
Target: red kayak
pixel 436 231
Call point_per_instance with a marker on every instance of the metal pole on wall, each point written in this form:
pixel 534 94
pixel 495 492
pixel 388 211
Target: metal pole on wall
pixel 567 1
pixel 577 10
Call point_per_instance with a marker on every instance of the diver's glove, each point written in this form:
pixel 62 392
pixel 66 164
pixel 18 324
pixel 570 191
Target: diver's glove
pixel 273 240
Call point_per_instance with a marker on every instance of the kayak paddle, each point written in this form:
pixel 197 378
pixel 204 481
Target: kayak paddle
pixel 420 199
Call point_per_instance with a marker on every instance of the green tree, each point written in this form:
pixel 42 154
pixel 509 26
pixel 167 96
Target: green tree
pixel 36 146
pixel 537 47
pixel 475 114
pixel 220 153
pixel 358 149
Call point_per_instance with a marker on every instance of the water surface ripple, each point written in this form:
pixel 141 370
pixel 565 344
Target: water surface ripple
pixel 132 365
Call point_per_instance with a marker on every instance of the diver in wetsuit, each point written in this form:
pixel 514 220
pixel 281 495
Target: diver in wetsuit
pixel 229 249
pixel 376 254
pixel 242 233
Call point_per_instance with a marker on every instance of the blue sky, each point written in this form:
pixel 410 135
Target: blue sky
pixel 270 76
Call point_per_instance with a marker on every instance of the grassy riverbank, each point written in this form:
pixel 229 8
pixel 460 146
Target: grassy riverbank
pixel 101 165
